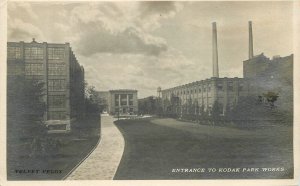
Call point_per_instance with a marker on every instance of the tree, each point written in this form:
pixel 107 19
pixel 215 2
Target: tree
pixel 25 111
pixel 215 112
pixel 271 97
pixel 249 110
pixel 92 100
pixel 25 106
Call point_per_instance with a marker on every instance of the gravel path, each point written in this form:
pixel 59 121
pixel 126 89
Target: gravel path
pixel 103 162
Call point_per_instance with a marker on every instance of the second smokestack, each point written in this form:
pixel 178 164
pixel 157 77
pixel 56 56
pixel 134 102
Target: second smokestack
pixel 250 40
pixel 215 51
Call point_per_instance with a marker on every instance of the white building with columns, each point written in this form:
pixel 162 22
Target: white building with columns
pixel 123 102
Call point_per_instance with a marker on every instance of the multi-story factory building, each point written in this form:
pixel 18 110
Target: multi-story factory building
pixel 56 66
pixel 260 76
pixel 274 75
pixel 123 102
pixel 203 94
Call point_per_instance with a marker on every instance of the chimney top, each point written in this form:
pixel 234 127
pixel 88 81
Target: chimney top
pixel 250 40
pixel 215 50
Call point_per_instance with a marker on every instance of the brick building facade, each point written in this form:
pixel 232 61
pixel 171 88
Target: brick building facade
pixel 274 75
pixel 56 66
pixel 203 94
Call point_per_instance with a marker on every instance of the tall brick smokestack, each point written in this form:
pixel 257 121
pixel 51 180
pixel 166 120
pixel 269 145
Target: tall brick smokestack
pixel 250 40
pixel 215 51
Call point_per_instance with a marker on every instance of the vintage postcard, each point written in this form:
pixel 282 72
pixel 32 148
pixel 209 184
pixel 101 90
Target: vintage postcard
pixel 155 92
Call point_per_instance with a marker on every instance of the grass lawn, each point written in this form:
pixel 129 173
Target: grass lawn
pixel 154 147
pixel 74 147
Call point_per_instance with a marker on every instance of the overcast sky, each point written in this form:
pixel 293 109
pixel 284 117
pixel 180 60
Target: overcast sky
pixel 143 45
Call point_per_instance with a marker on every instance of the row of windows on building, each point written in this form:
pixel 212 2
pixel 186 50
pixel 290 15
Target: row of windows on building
pixel 208 89
pixel 56 85
pixel 37 69
pixel 123 96
pixel 35 53
pixel 124 111
pixel 34 69
pixel 56 101
pixel 123 101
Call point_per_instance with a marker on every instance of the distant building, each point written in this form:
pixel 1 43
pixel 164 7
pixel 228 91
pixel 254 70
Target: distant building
pixel 260 76
pixel 274 75
pixel 190 98
pixel 57 66
pixel 123 102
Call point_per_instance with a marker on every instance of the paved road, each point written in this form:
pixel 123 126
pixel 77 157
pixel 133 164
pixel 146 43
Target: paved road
pixel 104 160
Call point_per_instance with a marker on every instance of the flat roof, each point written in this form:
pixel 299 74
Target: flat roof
pixel 123 90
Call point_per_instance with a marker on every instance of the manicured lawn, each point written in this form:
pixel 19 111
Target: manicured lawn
pixel 154 147
pixel 72 149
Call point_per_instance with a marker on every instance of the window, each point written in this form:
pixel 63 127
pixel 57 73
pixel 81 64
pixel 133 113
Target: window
pixel 13 52
pixel 116 99
pixel 130 109
pixel 131 103
pixel 57 127
pixel 220 86
pixel 123 96
pixel 130 96
pixel 208 88
pixel 56 85
pixel 230 86
pixel 241 86
pixel 56 115
pixel 55 61
pixel 56 69
pixel 56 53
pixel 124 102
pixel 34 69
pixel 34 53
pixel 57 101
pixel 15 69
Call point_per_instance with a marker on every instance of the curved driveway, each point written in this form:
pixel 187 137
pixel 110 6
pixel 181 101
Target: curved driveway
pixel 103 162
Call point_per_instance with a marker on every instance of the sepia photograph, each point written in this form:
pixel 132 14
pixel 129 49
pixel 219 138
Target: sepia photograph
pixel 150 90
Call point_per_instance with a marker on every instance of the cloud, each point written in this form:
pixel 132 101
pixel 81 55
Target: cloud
pixel 151 13
pixel 107 27
pixel 18 30
pixel 142 72
pixel 96 27
pixel 26 10
pixel 99 40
